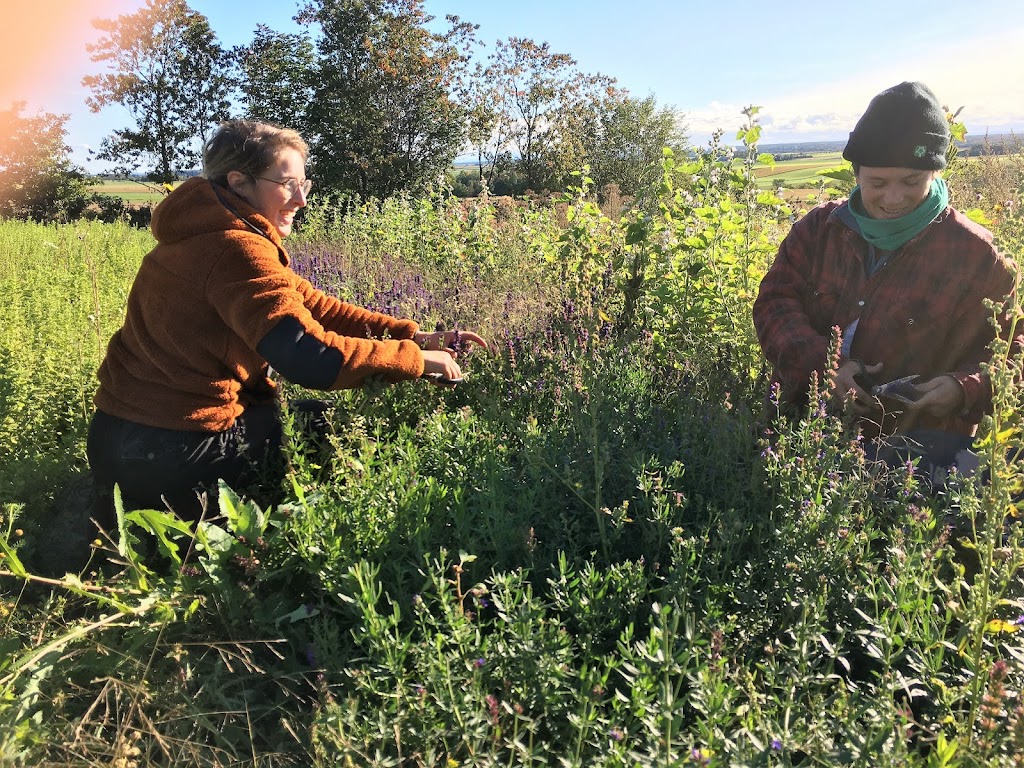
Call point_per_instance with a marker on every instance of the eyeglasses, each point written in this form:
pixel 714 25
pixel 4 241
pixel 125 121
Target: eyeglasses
pixel 292 185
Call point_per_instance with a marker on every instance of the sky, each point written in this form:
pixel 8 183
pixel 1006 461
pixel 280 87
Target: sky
pixel 812 67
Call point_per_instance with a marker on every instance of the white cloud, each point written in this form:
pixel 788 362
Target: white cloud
pixel 984 75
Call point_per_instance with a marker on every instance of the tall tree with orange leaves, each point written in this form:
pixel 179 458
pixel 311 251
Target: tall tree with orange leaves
pixel 167 69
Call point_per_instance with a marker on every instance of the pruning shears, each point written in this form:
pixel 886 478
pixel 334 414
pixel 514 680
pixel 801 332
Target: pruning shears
pixel 903 390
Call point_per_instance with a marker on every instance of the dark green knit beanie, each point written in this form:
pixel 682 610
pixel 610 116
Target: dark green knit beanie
pixel 903 127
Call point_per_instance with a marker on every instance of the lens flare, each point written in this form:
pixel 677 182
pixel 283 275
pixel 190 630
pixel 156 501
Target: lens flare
pixel 42 48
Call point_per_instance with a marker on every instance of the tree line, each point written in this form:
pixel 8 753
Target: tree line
pixel 386 95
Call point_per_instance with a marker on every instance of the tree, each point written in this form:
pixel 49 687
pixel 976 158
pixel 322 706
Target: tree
pixel 627 141
pixel 382 118
pixel 541 94
pixel 277 73
pixel 169 72
pixel 37 179
pixel 488 124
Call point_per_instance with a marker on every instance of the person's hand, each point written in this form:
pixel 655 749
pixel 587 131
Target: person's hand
pixel 941 396
pixel 449 340
pixel 846 389
pixel 440 367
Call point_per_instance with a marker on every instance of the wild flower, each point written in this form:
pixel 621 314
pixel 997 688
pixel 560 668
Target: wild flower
pixel 991 711
pixel 492 707
pixel 776 745
pixel 616 734
pixel 479 663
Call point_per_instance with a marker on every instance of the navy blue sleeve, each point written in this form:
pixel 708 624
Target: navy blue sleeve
pixel 299 357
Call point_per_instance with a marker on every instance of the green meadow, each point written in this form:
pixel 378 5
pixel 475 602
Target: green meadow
pixel 601 549
pixel 132 192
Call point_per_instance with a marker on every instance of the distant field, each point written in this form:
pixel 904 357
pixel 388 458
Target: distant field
pixel 800 177
pixel 134 192
pixel 798 174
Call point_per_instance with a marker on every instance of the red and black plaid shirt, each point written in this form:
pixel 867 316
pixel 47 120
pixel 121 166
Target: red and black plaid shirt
pixel 922 312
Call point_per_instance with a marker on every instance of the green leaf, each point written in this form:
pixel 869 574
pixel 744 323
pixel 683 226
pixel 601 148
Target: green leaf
pixel 162 525
pixel 752 136
pixel 12 561
pixel 636 233
pixel 301 613
pixel 840 173
pixel 228 502
pixel 978 217
pixel 215 539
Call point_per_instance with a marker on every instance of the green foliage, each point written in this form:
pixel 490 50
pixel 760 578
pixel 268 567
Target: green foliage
pixel 546 109
pixel 62 294
pixel 625 139
pixel 166 68
pixel 593 552
pixel 381 119
pixel 37 179
pixel 691 262
pixel 277 75
pixel 843 179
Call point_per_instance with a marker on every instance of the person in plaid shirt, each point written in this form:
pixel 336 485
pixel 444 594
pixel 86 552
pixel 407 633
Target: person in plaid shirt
pixel 902 275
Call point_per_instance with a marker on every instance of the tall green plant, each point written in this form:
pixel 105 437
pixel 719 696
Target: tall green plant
pixel 693 263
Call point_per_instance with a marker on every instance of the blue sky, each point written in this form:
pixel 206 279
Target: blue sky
pixel 811 66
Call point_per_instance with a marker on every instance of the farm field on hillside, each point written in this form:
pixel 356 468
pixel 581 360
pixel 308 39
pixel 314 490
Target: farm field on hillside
pixel 132 192
pixel 799 178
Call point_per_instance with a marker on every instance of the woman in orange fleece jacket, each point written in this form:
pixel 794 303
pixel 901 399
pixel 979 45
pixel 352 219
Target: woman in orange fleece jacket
pixel 185 396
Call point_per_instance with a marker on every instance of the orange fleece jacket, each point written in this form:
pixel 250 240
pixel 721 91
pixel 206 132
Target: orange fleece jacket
pixel 205 296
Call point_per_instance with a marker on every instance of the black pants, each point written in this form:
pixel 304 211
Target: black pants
pixel 936 453
pixel 158 468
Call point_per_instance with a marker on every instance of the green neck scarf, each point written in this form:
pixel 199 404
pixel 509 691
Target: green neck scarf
pixel 890 234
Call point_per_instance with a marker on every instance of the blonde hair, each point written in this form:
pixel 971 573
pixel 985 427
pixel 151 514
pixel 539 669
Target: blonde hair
pixel 248 147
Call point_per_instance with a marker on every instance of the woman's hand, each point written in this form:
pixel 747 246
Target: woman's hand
pixel 447 340
pixel 942 396
pixel 845 388
pixel 440 349
pixel 440 367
